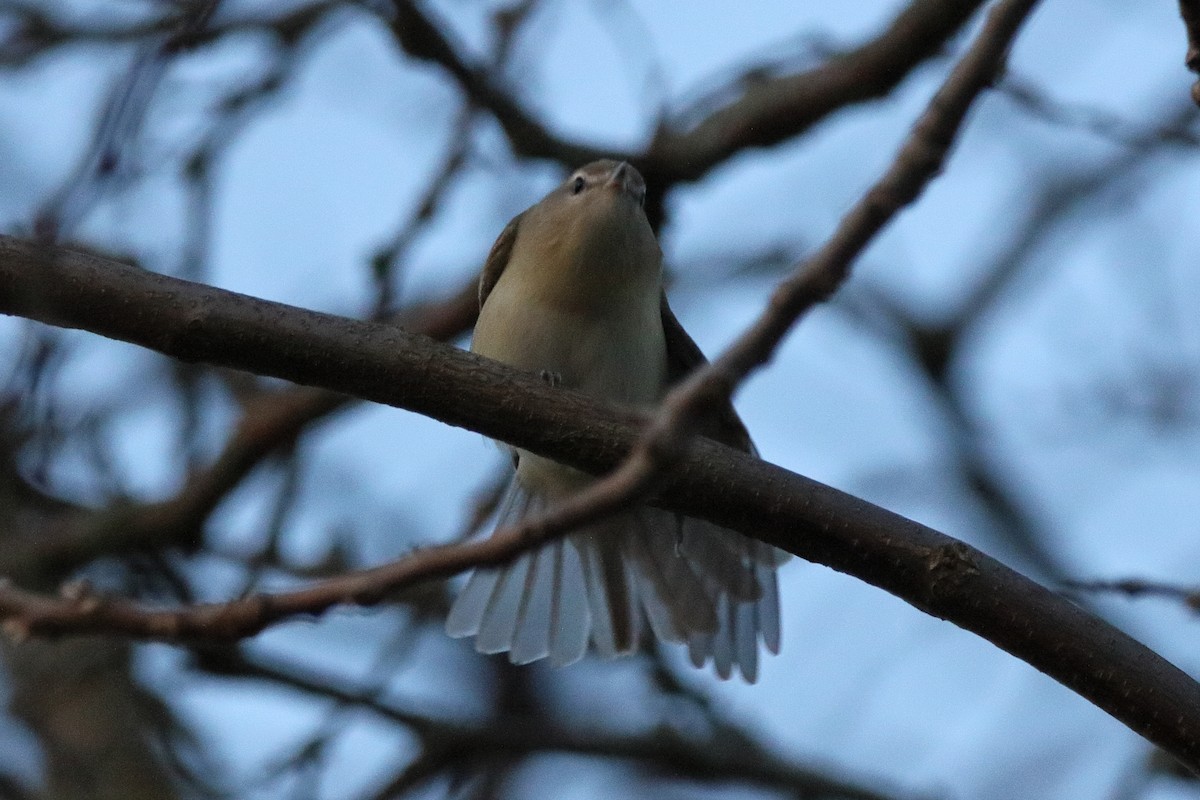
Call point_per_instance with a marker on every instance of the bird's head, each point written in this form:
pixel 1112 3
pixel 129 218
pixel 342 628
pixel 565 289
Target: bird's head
pixel 598 206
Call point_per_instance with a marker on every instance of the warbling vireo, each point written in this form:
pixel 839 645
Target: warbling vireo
pixel 572 290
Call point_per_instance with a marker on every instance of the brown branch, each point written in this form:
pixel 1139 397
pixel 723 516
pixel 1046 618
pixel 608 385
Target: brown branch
pixel 771 110
pixel 775 109
pixel 935 573
pixel 1190 11
pixel 1100 122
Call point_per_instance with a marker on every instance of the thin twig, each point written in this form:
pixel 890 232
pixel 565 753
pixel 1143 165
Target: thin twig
pixel 1137 587
pixel 1100 122
pixel 124 113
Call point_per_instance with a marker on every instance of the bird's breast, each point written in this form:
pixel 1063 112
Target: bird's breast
pixel 579 302
pixel 617 352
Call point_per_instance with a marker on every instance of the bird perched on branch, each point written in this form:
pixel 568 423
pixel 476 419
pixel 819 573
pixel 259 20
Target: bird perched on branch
pixel 572 290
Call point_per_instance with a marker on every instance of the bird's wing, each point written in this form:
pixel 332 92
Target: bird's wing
pixel 497 259
pixel 683 357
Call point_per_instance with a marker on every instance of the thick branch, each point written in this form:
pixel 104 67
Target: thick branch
pixel 933 572
pixel 775 109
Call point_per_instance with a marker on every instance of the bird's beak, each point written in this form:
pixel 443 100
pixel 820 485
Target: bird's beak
pixel 626 180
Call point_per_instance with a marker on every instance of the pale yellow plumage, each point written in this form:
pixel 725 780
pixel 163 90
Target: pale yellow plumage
pixel 573 291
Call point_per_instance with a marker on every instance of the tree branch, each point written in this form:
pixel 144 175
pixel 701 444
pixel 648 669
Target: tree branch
pixel 378 362
pixel 771 110
pixel 1138 587
pixel 776 109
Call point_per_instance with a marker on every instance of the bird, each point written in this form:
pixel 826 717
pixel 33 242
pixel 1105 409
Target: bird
pixel 572 290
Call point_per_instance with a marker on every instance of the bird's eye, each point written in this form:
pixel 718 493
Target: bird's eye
pixel 578 185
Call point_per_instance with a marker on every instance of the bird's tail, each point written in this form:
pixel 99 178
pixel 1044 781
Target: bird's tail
pixel 692 581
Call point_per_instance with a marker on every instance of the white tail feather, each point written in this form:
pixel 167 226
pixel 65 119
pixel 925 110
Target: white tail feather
pixel 694 582
pixel 570 619
pixel 532 639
